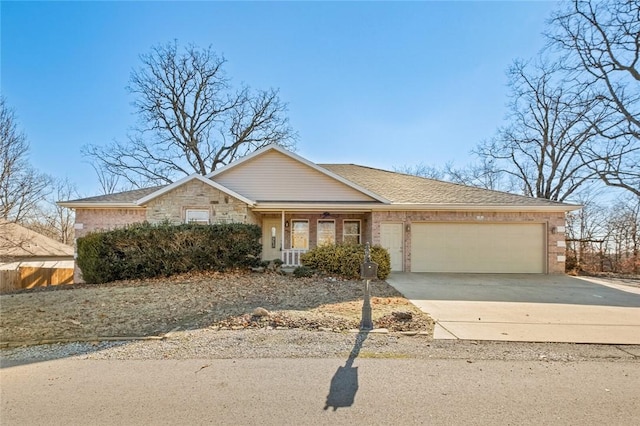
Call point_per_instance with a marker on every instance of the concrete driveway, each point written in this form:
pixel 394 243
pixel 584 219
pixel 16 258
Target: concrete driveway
pixel 525 307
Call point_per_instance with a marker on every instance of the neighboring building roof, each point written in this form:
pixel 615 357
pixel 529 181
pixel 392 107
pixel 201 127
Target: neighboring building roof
pixel 19 242
pixel 408 189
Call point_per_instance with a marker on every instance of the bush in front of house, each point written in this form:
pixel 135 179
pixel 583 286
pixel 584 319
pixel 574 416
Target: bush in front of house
pixel 146 250
pixel 346 259
pixel 303 272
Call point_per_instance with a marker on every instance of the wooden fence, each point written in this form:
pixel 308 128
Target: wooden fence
pixel 29 277
pixel 9 280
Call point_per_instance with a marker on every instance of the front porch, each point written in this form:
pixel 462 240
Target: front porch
pixel 287 235
pixel 291 257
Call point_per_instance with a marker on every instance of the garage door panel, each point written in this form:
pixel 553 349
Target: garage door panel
pixel 490 248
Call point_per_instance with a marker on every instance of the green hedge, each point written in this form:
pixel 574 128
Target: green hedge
pixel 346 259
pixel 145 250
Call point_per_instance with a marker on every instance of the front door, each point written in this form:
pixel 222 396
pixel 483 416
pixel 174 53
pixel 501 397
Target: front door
pixel 271 239
pixel 391 238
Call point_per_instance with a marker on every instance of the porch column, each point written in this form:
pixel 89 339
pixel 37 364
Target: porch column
pixel 282 236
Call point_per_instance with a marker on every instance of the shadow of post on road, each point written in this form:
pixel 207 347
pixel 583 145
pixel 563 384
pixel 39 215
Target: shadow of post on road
pixel 344 383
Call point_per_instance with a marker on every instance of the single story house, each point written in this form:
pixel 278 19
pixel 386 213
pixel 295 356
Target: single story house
pixel 29 259
pixel 426 225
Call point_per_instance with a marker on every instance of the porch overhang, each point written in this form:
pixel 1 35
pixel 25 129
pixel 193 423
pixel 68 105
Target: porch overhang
pixel 276 207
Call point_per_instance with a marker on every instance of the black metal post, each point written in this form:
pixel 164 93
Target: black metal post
pixel 367 322
pixel 367 270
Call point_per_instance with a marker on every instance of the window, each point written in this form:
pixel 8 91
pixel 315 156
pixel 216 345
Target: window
pixel 197 216
pixel 351 232
pixel 300 234
pixel 326 232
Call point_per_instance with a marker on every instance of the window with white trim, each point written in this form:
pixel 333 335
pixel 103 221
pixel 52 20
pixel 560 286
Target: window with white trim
pixel 326 232
pixel 197 216
pixel 300 234
pixel 351 232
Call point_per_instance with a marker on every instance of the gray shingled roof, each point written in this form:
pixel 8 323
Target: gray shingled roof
pixel 120 197
pixel 408 189
pixel 397 187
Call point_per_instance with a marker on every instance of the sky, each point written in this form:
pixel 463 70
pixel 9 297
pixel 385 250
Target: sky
pixel 381 84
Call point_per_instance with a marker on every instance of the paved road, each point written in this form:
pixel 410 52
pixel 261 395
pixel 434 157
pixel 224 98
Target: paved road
pixel 320 391
pixel 524 307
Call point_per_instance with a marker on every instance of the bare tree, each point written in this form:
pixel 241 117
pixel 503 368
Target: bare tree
pixel 586 233
pixel 109 182
pixel 53 220
pixel 551 125
pixel 623 227
pixel 190 119
pixel 482 174
pixel 601 39
pixel 21 186
pixel 422 170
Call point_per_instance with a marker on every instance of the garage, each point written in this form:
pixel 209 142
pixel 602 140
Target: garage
pixel 478 248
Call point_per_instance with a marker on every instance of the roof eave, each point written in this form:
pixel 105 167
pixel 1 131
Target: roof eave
pixel 367 207
pixel 480 207
pixel 97 205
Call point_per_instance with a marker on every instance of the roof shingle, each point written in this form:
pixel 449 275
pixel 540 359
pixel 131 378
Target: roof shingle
pixel 408 189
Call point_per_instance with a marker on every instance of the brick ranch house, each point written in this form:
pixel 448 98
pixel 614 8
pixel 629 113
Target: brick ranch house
pixel 427 225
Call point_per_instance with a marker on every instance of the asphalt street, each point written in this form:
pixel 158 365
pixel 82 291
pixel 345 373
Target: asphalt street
pixel 320 391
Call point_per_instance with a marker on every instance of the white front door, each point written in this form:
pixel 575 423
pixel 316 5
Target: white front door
pixel 271 239
pixel 391 238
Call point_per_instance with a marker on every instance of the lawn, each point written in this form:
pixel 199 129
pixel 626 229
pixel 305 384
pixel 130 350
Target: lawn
pixel 210 300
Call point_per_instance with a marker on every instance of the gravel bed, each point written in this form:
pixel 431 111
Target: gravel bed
pixel 297 343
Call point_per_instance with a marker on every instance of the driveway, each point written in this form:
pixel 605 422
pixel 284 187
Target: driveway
pixel 525 307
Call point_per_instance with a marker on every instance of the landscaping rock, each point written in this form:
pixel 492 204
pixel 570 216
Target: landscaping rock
pixel 402 315
pixel 260 312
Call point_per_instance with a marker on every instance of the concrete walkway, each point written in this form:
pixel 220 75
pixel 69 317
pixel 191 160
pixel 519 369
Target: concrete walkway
pixel 525 307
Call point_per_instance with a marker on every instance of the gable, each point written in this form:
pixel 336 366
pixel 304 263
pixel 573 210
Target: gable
pixel 196 194
pixel 274 176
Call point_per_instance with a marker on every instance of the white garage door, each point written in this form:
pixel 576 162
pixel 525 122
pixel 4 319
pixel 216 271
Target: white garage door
pixel 472 247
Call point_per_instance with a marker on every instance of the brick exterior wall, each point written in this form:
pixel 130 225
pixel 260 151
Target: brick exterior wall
pixel 92 220
pixel 553 221
pixel 365 234
pixel 224 209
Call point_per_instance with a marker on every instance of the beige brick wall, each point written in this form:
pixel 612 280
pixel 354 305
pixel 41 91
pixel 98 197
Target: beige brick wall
pixel 91 220
pixel 552 220
pixel 222 208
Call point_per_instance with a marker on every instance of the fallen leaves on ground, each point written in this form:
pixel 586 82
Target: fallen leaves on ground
pixel 219 300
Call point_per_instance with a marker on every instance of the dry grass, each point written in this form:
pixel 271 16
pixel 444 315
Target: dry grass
pixel 154 307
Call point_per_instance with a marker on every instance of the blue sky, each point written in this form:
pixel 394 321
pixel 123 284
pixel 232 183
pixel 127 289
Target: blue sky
pixel 383 84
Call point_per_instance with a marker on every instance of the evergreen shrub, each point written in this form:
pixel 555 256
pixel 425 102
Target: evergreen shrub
pixel 145 250
pixel 346 259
